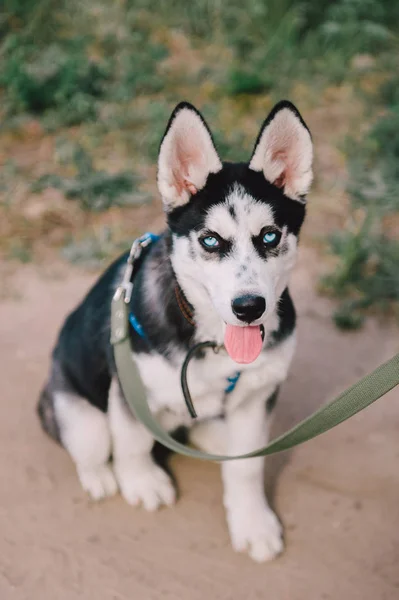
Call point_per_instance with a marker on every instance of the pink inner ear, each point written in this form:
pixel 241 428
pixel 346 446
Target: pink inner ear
pixel 280 181
pixel 190 187
pixel 185 156
pixel 282 178
pixel 178 181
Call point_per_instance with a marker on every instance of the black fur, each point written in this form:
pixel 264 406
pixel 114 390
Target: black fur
pixel 45 410
pixel 191 217
pixel 287 319
pixel 83 352
pixel 265 250
pixel 272 401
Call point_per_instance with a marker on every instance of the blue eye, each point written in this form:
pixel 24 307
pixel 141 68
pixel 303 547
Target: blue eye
pixel 270 237
pixel 210 242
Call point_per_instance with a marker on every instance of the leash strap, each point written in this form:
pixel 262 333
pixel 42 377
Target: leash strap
pixel 351 401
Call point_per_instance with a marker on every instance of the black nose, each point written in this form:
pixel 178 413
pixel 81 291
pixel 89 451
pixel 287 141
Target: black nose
pixel 248 308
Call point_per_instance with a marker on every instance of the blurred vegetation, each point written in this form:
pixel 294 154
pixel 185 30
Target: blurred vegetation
pixel 66 61
pixel 367 272
pixel 96 190
pixel 94 249
pixel 102 78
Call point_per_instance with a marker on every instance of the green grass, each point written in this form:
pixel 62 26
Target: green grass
pixel 367 271
pixel 21 251
pixel 57 77
pixel 64 62
pixel 366 275
pixel 96 190
pixel 95 249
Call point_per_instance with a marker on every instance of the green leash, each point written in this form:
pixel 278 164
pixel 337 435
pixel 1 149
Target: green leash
pixel 351 401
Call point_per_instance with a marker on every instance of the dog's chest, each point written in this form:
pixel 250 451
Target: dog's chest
pixel 207 379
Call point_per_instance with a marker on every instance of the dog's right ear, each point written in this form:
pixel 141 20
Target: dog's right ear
pixel 186 157
pixel 284 151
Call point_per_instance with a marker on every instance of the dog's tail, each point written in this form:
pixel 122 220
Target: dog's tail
pixel 47 416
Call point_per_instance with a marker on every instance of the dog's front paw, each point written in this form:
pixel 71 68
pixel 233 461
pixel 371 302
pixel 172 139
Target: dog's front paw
pixel 257 532
pixel 98 481
pixel 145 484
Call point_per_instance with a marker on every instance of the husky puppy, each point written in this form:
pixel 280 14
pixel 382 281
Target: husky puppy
pixel 219 272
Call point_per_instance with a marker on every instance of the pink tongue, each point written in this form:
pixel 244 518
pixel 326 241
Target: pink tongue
pixel 243 344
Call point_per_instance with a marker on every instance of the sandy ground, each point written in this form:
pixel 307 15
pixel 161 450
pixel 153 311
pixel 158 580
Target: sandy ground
pixel 338 496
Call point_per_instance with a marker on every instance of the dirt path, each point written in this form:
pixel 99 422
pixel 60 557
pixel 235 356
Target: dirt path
pixel 338 496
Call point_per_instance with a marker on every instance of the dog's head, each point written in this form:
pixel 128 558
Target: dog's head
pixel 235 226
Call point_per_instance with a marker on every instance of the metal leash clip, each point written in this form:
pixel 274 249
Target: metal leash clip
pixel 126 286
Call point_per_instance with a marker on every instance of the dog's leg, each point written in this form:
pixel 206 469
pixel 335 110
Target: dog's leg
pixel 84 432
pixel 210 435
pixel 253 525
pixel 140 479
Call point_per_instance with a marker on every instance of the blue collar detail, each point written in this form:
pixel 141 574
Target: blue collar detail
pixel 136 325
pixel 146 239
pixel 232 382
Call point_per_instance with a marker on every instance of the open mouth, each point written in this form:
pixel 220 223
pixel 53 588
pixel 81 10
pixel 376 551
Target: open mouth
pixel 244 344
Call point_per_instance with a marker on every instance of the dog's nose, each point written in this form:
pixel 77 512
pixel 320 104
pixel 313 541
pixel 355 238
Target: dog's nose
pixel 248 308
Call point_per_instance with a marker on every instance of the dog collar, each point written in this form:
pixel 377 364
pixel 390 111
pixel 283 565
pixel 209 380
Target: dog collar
pixel 186 309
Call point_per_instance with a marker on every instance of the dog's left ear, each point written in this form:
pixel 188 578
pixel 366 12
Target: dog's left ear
pixel 284 151
pixel 186 157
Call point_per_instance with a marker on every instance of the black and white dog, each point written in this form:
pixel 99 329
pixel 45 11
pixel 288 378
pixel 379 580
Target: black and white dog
pixel 219 272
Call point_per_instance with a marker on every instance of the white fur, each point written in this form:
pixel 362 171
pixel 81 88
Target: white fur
pixel 187 156
pixel 267 278
pixel 140 480
pixel 250 215
pixel 85 434
pixel 210 436
pixel 207 379
pixel 285 150
pixel 252 524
